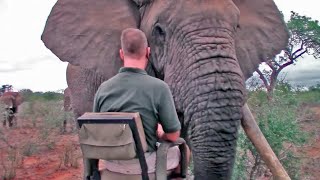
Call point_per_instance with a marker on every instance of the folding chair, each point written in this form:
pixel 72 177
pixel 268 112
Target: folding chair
pixel 120 136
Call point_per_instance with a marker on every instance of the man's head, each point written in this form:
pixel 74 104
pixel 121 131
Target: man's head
pixel 134 45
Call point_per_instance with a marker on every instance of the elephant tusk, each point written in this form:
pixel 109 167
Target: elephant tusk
pixel 254 133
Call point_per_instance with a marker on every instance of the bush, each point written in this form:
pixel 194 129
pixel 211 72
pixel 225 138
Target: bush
pixel 51 112
pixel 70 156
pixel 30 96
pixel 29 149
pixel 277 120
pixel 54 115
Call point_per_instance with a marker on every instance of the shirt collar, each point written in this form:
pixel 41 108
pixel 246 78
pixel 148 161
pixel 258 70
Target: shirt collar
pixel 133 70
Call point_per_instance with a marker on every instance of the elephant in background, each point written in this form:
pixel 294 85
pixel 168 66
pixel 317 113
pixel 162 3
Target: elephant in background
pixel 67 105
pixel 203 49
pixel 11 102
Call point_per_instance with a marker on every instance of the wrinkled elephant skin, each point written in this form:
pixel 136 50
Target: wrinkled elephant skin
pixel 204 50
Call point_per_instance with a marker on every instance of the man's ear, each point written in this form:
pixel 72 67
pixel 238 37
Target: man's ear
pixel 121 54
pixel 148 52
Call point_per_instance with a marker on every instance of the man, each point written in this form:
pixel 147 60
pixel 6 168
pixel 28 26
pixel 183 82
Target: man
pixel 132 90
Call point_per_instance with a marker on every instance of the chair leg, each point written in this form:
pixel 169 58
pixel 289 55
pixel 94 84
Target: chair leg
pixel 86 169
pixel 90 168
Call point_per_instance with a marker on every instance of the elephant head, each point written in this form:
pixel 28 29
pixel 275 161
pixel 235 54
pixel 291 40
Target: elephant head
pixel 203 49
pixel 12 100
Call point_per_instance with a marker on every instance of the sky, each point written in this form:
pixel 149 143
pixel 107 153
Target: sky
pixel 26 63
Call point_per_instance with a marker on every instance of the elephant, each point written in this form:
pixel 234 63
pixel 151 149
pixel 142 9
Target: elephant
pixel 11 101
pixel 66 106
pixel 67 100
pixel 203 49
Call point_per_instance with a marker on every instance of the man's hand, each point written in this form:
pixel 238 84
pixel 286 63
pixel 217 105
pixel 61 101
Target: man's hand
pixel 160 132
pixel 167 136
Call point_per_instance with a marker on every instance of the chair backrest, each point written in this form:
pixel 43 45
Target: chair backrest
pixel 111 135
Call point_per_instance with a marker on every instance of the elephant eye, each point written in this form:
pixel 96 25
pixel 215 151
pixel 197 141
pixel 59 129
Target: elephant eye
pixel 159 32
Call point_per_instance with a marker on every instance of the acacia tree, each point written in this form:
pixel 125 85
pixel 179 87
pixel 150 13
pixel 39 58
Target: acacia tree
pixel 304 39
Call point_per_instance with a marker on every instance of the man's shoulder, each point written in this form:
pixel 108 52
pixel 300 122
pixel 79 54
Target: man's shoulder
pixel 109 81
pixel 157 83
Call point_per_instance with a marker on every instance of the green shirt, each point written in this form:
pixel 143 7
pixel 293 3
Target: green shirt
pixel 132 90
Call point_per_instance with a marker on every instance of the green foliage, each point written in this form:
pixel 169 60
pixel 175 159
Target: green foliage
pixel 54 115
pixel 311 96
pixel 29 95
pixel 305 32
pixel 51 113
pixel 304 38
pixel 241 166
pixel 277 120
pixel 315 87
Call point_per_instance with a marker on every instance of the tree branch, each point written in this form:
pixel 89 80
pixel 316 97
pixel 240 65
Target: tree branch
pixel 277 64
pixel 298 50
pixel 263 78
pixel 285 65
pixel 296 57
pixel 269 63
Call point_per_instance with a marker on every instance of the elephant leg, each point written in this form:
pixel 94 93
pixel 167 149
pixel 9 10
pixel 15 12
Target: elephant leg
pixel 64 126
pixel 15 121
pixel 10 118
pixel 4 122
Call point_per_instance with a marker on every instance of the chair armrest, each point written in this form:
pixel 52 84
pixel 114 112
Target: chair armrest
pixel 161 161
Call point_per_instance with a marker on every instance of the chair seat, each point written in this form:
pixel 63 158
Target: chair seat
pixel 133 166
pixel 109 175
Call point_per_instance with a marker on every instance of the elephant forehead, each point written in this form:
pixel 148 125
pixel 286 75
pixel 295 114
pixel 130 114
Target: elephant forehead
pixel 175 11
pixel 6 99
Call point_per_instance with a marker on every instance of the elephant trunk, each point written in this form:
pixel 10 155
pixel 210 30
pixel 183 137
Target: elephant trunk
pixel 208 84
pixel 212 105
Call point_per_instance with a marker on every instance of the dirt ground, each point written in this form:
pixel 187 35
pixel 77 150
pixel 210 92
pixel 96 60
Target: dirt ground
pixel 58 157
pixel 310 153
pixel 55 158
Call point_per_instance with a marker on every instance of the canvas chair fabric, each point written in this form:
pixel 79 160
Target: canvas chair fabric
pixel 110 141
pixel 133 166
pixel 109 175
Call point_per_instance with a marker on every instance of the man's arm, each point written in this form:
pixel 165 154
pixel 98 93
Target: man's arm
pixel 167 136
pixel 169 127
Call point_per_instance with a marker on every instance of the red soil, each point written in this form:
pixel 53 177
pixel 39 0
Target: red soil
pixel 311 153
pixel 46 162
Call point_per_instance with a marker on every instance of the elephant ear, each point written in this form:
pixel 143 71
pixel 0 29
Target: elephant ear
pixel 261 35
pixel 86 33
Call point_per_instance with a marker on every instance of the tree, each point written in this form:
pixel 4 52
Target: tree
pixel 304 39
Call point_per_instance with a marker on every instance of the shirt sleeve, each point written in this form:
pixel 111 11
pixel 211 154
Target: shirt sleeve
pixel 167 112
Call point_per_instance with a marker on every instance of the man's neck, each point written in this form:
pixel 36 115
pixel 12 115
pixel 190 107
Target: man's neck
pixel 135 63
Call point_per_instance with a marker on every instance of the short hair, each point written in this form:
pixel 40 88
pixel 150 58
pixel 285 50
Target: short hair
pixel 133 42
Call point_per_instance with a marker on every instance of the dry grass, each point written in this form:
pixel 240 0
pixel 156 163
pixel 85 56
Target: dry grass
pixel 69 157
pixel 9 161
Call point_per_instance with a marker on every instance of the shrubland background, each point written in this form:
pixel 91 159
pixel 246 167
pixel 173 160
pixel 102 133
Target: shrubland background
pixel 283 121
pixel 287 122
pixel 40 131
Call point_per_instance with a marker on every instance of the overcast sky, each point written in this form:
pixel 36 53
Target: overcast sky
pixel 26 63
